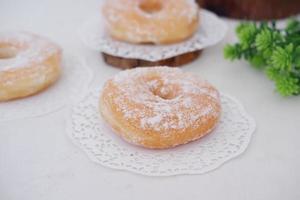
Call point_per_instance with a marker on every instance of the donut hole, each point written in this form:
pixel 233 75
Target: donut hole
pixel 164 92
pixel 8 52
pixel 158 87
pixel 150 6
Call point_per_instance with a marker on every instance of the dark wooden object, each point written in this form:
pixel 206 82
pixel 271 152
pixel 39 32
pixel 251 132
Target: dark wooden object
pixel 253 9
pixel 127 63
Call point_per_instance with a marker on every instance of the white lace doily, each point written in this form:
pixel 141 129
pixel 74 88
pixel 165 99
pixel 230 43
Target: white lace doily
pixel 211 31
pixel 228 140
pixel 74 80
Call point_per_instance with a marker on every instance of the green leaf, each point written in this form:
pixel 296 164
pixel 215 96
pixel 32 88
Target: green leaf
pixel 246 33
pixel 231 52
pixel 287 85
pixel 297 50
pixel 296 58
pixel 281 58
pixel 289 48
pixel 258 61
pixel 292 26
pixel 272 73
pixel 264 40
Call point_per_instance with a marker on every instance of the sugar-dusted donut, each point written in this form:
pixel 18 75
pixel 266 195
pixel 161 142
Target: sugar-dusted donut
pixel 28 64
pixel 151 21
pixel 159 107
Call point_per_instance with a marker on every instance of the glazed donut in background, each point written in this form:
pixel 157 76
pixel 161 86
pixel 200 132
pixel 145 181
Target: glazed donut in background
pixel 159 107
pixel 28 64
pixel 151 21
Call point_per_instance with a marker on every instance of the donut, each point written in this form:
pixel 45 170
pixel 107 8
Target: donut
pixel 159 107
pixel 28 64
pixel 151 21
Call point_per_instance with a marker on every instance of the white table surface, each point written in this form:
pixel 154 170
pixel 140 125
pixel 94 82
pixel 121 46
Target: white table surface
pixel 39 162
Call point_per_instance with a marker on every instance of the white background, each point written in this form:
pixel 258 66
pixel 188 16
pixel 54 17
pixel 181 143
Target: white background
pixel 38 160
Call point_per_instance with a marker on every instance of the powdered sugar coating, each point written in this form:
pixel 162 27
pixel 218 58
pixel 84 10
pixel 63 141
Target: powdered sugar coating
pixel 164 99
pixel 140 26
pixel 190 10
pixel 31 49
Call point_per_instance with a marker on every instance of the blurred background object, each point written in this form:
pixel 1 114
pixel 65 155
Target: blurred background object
pixel 252 9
